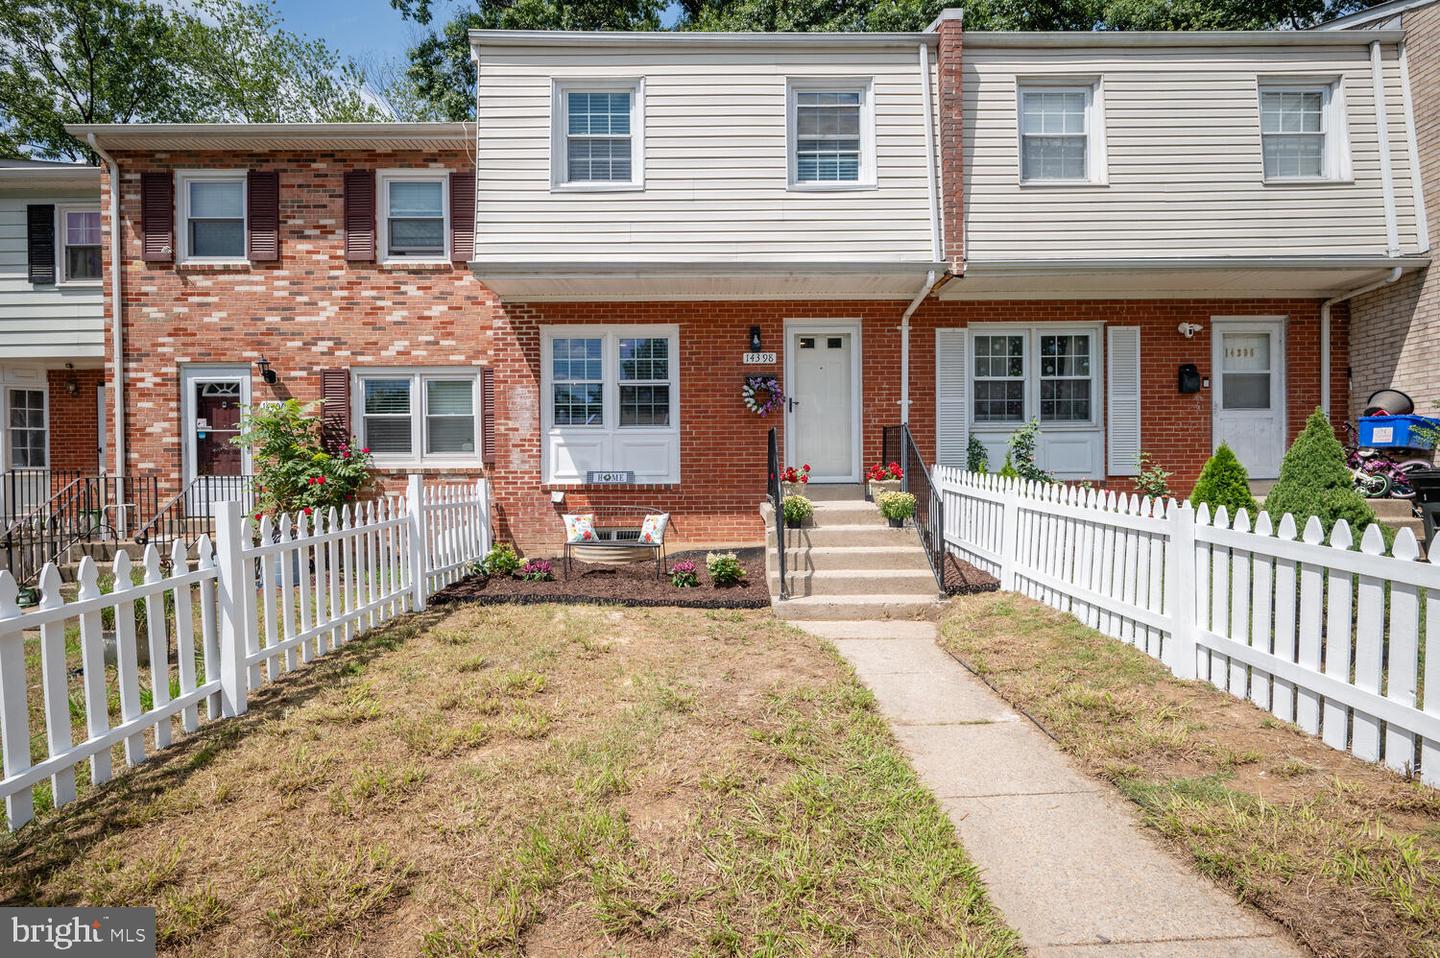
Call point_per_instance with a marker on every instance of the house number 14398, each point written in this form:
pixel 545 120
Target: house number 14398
pixel 759 359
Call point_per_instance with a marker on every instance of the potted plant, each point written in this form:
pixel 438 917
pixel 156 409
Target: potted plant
pixel 896 507
pixel 793 481
pixel 798 511
pixel 882 479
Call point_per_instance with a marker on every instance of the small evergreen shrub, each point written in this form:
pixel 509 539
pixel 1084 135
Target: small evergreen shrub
pixel 724 568
pixel 1007 469
pixel 1022 453
pixel 1154 480
pixel 1314 481
pixel 1224 482
pixel 797 510
pixel 683 574
pixel 976 458
pixel 896 505
pixel 501 560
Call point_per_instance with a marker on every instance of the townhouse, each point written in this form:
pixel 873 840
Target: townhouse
pixel 1144 241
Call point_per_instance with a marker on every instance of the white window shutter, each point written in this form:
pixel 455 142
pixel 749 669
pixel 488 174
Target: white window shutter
pixel 1122 387
pixel 951 387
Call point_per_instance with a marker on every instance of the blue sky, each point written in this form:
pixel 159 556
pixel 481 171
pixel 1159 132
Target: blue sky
pixel 358 28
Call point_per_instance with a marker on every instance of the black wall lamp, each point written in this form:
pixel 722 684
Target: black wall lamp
pixel 72 385
pixel 754 339
pixel 266 373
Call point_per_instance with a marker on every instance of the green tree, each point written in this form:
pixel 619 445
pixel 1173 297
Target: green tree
pixel 1224 482
pixel 1314 481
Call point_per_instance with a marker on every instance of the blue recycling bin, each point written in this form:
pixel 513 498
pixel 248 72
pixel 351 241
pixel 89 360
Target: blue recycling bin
pixel 1397 432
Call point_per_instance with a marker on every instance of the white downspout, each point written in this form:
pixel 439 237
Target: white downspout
pixel 1382 130
pixel 1393 275
pixel 117 311
pixel 905 344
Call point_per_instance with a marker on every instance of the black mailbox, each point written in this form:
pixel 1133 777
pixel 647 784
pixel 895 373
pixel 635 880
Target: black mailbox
pixel 1189 378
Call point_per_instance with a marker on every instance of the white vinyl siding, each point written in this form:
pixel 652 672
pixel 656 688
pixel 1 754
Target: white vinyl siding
pixel 1185 168
pixel 716 158
pixel 61 321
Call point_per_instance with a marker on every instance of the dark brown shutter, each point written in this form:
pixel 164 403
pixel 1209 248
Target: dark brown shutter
pixel 462 217
pixel 360 216
pixel 40 237
pixel 335 396
pixel 262 196
pixel 157 217
pixel 487 416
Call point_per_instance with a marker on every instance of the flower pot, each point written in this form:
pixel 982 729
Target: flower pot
pixel 897 523
pixel 877 486
pixel 792 488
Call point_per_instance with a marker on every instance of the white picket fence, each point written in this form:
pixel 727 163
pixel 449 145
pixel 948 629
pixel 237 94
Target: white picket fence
pixel 260 601
pixel 1330 638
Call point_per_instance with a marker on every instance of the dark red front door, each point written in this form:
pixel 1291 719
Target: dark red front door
pixel 217 421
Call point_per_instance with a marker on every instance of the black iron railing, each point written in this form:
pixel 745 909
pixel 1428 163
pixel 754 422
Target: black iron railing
pixel 899 446
pixel 82 509
pixel 24 490
pixel 777 499
pixel 190 512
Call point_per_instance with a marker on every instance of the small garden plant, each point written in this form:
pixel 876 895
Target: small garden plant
pixel 797 510
pixel 879 473
pixel 500 561
pixel 537 570
pixel 1314 481
pixel 724 568
pixel 1153 480
pixel 896 505
pixel 798 477
pixel 1021 457
pixel 1224 482
pixel 976 458
pixel 1007 469
pixel 685 574
pixel 293 470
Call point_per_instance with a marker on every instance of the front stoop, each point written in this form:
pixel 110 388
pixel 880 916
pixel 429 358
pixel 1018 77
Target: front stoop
pixel 849 565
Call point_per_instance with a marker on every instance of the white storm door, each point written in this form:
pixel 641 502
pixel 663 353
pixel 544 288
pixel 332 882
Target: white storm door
pixel 1249 393
pixel 822 427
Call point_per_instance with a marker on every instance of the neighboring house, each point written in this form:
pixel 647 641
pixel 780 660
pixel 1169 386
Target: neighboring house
pixel 1396 328
pixel 964 231
pixel 52 337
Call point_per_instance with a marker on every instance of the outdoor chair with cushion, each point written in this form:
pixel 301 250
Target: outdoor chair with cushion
pixel 616 534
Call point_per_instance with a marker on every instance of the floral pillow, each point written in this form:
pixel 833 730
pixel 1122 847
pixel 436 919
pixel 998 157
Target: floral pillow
pixel 653 528
pixel 580 528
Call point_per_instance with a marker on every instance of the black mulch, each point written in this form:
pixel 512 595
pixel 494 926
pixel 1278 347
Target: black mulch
pixel 632 584
pixel 962 578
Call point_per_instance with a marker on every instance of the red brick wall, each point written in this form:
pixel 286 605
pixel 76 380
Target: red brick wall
pixel 952 127
pixel 74 420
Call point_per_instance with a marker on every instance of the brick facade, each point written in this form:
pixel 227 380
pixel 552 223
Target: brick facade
pixel 74 419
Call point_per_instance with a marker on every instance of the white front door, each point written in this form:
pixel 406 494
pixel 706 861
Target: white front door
pixel 822 427
pixel 1249 393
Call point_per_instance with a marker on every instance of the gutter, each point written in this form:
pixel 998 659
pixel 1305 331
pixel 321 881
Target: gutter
pixel 117 311
pixel 1382 131
pixel 1024 39
pixel 631 268
pixel 924 291
pixel 1391 277
pixel 1417 186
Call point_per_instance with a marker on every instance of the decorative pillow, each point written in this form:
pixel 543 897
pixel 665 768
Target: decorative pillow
pixel 580 528
pixel 653 529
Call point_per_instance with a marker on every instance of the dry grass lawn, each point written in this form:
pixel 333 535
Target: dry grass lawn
pixel 539 780
pixel 1345 854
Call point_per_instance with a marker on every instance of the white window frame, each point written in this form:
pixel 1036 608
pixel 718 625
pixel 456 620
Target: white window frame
pixel 559 140
pixel 1335 127
pixel 865 86
pixel 419 399
pixel 1097 166
pixel 383 179
pixel 1032 334
pixel 60 246
pixel 183 179
pixel 9 453
pixel 610 428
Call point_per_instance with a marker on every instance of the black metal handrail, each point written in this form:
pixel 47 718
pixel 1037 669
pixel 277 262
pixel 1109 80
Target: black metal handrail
pixel 777 499
pixel 898 445
pixel 22 491
pixel 190 512
pixel 84 509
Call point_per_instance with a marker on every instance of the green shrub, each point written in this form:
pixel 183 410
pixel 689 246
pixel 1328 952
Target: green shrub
pixel 1022 453
pixel 501 560
pixel 293 470
pixel 1314 481
pixel 896 505
pixel 724 568
pixel 976 458
pixel 797 510
pixel 1153 481
pixel 1224 482
pixel 1007 469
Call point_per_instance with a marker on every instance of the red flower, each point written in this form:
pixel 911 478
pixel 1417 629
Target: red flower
pixel 257 517
pixel 307 510
pixel 320 480
pixel 365 451
pixel 806 467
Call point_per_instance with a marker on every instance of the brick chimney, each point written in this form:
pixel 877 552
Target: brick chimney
pixel 950 28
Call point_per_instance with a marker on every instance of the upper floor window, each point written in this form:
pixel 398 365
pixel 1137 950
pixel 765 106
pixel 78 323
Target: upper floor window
pixel 831 141
pixel 1301 132
pixel 80 245
pixel 212 216
pixel 414 215
pixel 597 137
pixel 1060 134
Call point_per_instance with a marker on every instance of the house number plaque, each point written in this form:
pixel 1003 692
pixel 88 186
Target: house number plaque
pixel 758 359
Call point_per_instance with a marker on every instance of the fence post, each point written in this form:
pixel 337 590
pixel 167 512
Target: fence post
pixel 482 491
pixel 1180 591
pixel 1009 533
pixel 415 502
pixel 237 590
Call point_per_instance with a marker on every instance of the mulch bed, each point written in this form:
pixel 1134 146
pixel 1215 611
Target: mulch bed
pixel 632 584
pixel 962 578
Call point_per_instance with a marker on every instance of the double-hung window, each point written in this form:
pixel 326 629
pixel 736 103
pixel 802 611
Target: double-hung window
pixel 1066 380
pixel 999 377
pixel 1301 132
pixel 409 416
pixel 28 434
pixel 79 245
pixel 1023 373
pixel 611 402
pixel 597 138
pixel 414 215
pixel 831 141
pixel 1060 133
pixel 212 216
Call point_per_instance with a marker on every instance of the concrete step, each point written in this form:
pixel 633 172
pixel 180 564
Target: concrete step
pixel 833 491
pixel 855 582
pixel 847 512
pixel 906 556
pixel 1390 510
pixel 843 535
pixel 857 607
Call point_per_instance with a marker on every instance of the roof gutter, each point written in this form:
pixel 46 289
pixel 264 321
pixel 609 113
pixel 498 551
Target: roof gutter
pixel 1390 277
pixel 117 311
pixel 1181 38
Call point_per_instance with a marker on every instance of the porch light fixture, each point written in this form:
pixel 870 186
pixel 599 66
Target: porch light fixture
pixel 754 339
pixel 72 385
pixel 1188 330
pixel 266 373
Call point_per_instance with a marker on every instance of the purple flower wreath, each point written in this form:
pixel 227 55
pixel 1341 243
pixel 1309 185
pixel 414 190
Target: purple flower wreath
pixel 756 386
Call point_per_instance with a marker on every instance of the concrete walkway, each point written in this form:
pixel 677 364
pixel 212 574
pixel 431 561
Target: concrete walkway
pixel 1064 858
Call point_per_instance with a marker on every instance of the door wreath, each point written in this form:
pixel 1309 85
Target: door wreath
pixel 761 394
